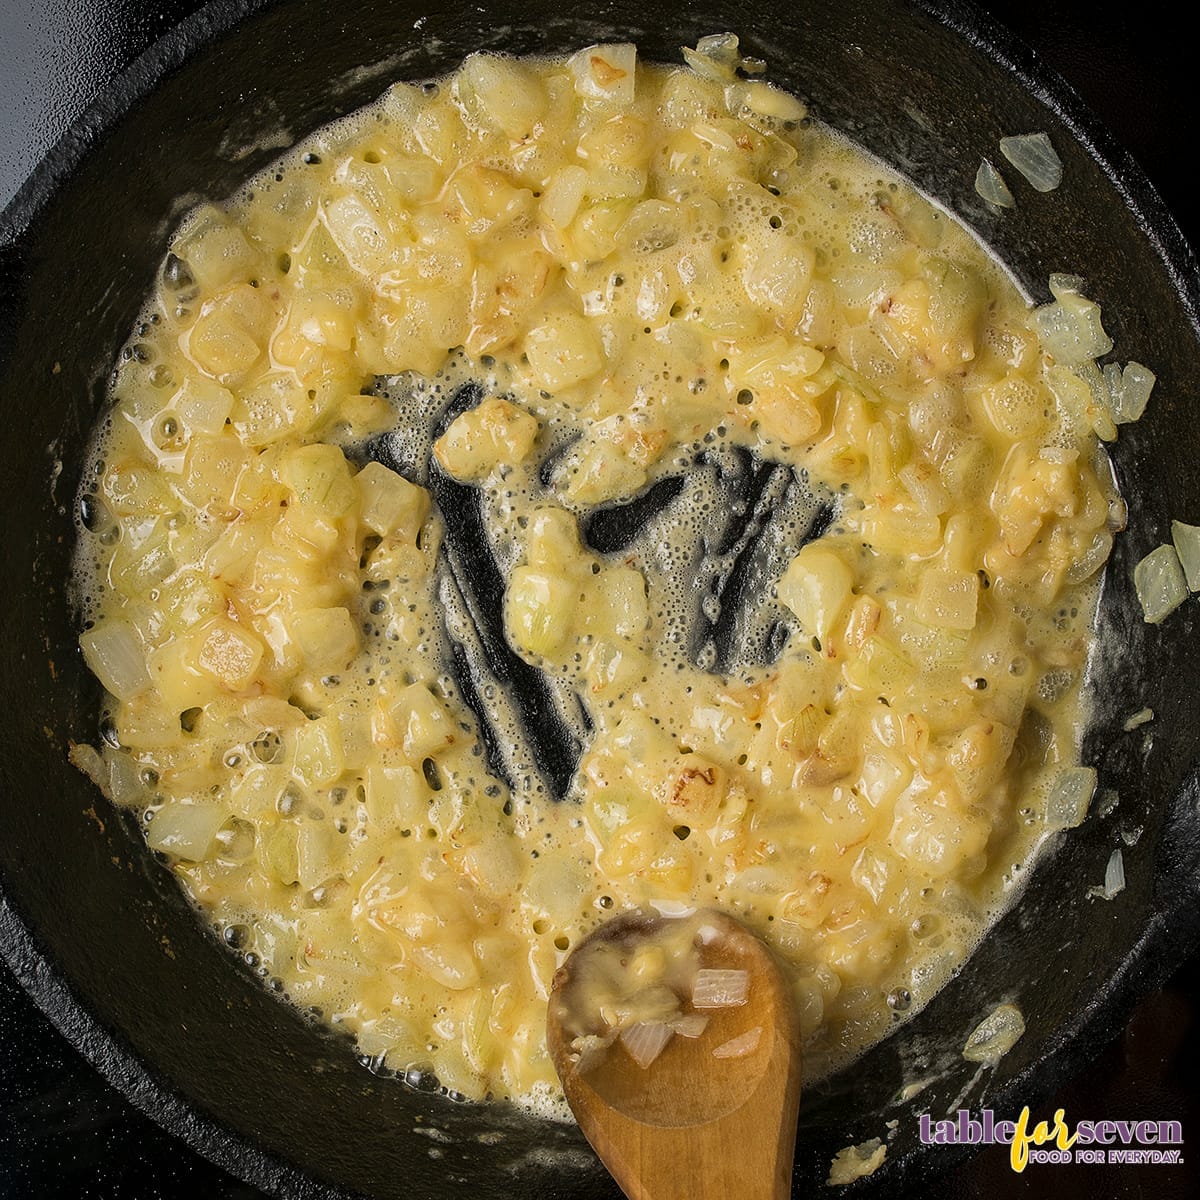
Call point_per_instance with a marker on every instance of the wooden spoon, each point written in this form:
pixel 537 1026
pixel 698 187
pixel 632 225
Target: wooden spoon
pixel 691 1125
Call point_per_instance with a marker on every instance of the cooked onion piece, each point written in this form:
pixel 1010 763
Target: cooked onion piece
pixel 1186 540
pixel 714 988
pixel 740 1046
pixel 1069 798
pixel 1129 390
pixel 1034 156
pixel 1160 584
pixel 989 183
pixel 995 1035
pixel 646 1040
pixel 1114 878
pixel 1142 717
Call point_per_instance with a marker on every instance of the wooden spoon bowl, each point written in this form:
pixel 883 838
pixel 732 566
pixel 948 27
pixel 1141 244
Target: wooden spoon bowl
pixel 692 1124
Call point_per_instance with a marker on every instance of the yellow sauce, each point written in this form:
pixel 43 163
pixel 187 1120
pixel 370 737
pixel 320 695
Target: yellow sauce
pixel 652 274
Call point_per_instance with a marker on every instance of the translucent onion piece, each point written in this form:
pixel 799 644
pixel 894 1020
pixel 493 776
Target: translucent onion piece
pixel 1142 717
pixel 690 1026
pixel 1099 410
pixel 720 47
pixel 1114 878
pixel 716 988
pixel 1137 382
pixel 115 655
pixel 646 1040
pixel 995 1035
pixel 1061 282
pixel 589 1049
pixel 606 72
pixel 1159 583
pixel 186 830
pixel 87 759
pixel 1118 514
pixel 1036 159
pixel 857 1162
pixel 740 1046
pixel 1186 539
pixel 707 67
pixel 1092 559
pixel 1068 802
pixel 1112 385
pixel 989 183
pixel 1070 329
pixel 125 784
pixel 761 99
pixel 866 287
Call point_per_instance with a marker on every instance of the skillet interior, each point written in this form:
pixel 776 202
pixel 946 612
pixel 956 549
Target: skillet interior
pixel 103 937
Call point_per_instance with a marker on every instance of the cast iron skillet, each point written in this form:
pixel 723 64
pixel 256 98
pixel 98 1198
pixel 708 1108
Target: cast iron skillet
pixel 102 937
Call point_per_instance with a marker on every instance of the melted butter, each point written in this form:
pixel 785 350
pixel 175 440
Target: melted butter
pixel 825 681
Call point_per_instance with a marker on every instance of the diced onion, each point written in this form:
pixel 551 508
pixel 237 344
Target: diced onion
pixel 1118 514
pixel 719 988
pixel 720 47
pixel 995 1035
pixel 114 654
pixel 186 830
pixel 1070 329
pixel 589 1049
pixel 501 93
pixel 563 195
pixel 1113 384
pixel 1186 539
pixel 646 1040
pixel 1092 559
pixel 1142 717
pixel 1069 798
pixel 865 287
pixel 1114 878
pixel 1159 583
pixel 1061 282
pixel 761 99
pixel 606 72
pixel 1128 390
pixel 740 1046
pixel 989 183
pixel 856 1162
pixel 1034 156
pixel 691 1025
pixel 87 759
pixel 715 56
pixel 204 406
pixel 125 785
pixel 1099 407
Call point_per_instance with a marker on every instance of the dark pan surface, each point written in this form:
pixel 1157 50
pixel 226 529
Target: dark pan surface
pixel 71 873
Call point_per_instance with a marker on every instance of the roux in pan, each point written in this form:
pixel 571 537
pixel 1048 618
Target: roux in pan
pixel 576 485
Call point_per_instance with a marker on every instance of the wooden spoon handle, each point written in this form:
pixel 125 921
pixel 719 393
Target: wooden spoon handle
pixel 732 1158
